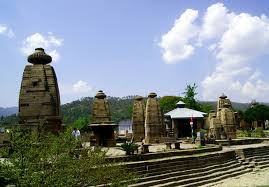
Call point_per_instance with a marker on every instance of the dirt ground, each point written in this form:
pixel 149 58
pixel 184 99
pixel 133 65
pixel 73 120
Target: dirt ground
pixel 253 179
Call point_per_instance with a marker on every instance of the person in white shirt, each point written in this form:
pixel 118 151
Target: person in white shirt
pixel 76 133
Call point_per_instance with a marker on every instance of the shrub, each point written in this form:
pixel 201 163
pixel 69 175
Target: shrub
pixel 57 160
pixel 129 147
pixel 258 133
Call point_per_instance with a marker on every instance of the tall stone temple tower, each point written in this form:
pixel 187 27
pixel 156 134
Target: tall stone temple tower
pixel 154 128
pixel 39 100
pixel 138 119
pixel 222 124
pixel 102 126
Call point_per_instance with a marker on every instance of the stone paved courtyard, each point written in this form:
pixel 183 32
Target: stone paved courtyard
pixel 253 179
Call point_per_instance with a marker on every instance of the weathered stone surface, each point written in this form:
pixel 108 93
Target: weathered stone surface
pixel 138 119
pixel 154 128
pixel 100 110
pixel 102 126
pixel 214 126
pixel 39 100
pixel 227 120
pixel 222 124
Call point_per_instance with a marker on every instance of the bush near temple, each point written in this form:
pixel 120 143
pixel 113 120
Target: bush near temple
pixel 56 160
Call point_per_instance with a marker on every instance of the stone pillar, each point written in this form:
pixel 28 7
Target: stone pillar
pixel 138 119
pixel 153 120
pixel 39 100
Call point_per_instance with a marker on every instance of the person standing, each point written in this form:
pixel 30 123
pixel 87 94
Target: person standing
pixel 76 133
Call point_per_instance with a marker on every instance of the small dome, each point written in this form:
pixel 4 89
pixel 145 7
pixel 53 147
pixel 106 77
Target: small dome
pixel 180 104
pixel 152 95
pixel 223 96
pixel 39 57
pixel 138 98
pixel 100 95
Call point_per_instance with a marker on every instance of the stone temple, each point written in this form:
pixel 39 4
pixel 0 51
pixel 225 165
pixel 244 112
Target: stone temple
pixel 154 126
pixel 102 126
pixel 222 124
pixel 39 100
pixel 138 119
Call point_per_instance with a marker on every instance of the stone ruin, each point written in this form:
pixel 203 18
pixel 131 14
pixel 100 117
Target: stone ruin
pixel 154 127
pixel 138 119
pixel 39 99
pixel 222 124
pixel 102 126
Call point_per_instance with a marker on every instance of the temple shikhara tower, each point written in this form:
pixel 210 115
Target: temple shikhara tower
pixel 102 126
pixel 222 124
pixel 138 119
pixel 154 128
pixel 39 100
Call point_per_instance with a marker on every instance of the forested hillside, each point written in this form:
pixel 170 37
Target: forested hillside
pixel 78 113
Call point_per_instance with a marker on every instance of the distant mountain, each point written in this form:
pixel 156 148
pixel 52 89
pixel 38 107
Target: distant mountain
pixel 8 111
pixel 79 110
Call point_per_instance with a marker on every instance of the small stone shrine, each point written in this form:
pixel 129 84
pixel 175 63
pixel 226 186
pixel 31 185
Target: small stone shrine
pixel 39 100
pixel 138 119
pixel 102 126
pixel 222 124
pixel 154 127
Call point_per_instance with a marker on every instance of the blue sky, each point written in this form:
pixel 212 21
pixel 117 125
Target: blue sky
pixel 136 47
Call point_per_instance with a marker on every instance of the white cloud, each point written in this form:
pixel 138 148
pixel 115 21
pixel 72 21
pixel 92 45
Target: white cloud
pixel 49 43
pixel 5 30
pixel 246 38
pixel 215 21
pixel 235 39
pixel 78 88
pixel 175 43
pixel 81 87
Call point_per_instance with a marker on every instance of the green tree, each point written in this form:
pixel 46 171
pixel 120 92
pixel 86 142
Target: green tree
pixel 168 103
pixel 257 113
pixel 205 107
pixel 81 122
pixel 56 160
pixel 189 97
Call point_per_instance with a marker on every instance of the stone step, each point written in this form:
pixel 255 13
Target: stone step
pixel 167 162
pixel 189 181
pixel 174 167
pixel 259 159
pixel 260 163
pixel 214 181
pixel 176 177
pixel 263 166
pixel 257 153
pixel 193 172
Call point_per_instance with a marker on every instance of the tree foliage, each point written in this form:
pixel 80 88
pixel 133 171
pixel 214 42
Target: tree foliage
pixel 191 102
pixel 189 97
pixel 168 103
pixel 257 113
pixel 56 160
